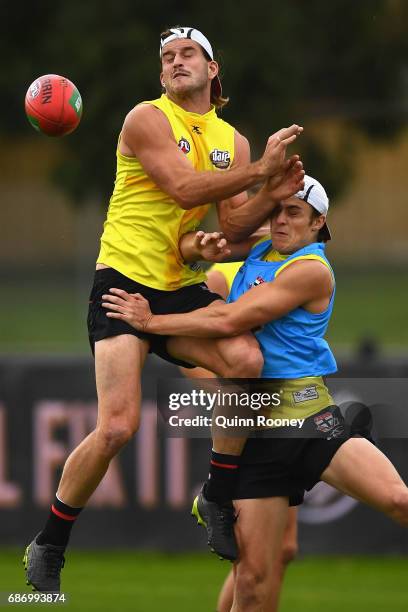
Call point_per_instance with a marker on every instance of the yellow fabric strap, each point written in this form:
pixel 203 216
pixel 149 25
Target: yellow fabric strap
pixel 302 257
pixel 228 270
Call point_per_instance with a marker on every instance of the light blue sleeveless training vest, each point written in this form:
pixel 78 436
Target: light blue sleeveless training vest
pixel 294 345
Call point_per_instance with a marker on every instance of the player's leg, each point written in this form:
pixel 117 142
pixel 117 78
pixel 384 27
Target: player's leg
pixel 259 528
pixel 361 470
pixel 118 363
pixel 290 545
pixel 197 373
pixel 238 357
pixel 226 595
pixel 217 283
pixel 287 554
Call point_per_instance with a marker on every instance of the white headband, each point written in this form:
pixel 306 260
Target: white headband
pixel 191 33
pixel 198 37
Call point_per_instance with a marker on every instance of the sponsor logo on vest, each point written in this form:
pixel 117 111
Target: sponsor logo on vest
pixel 220 159
pixel 184 145
pixel 35 89
pixel 306 394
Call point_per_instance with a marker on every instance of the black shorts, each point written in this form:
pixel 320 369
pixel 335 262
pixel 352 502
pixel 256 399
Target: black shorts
pixel 185 299
pixel 287 467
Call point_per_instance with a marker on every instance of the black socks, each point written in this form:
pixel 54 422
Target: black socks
pixel 59 524
pixel 220 486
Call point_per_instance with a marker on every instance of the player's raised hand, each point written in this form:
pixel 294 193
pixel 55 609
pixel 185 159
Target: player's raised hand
pixel 273 159
pixel 288 181
pixel 132 308
pixel 211 246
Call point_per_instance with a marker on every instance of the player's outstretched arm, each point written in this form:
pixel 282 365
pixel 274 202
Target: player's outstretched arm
pixel 304 283
pixel 240 216
pixel 147 135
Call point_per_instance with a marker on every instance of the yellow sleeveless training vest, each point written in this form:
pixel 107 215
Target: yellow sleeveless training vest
pixel 144 224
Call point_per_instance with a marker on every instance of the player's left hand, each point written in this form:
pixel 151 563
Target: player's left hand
pixel 132 308
pixel 211 246
pixel 288 181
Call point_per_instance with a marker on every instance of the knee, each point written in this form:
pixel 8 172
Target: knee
pixel 253 363
pixel 251 587
pixel 248 362
pixel 289 553
pixel 114 435
pixel 399 505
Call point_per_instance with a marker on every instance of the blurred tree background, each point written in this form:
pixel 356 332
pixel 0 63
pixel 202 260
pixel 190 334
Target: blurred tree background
pixel 282 62
pixel 338 67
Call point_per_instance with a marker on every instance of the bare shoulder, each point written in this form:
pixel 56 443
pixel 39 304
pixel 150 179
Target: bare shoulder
pixel 312 272
pixel 242 149
pixel 144 116
pixel 241 141
pixel 144 125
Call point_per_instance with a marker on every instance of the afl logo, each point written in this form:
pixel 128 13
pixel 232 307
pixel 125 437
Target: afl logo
pixel 220 159
pixel 184 145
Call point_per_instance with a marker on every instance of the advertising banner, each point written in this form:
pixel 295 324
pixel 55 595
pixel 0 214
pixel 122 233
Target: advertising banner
pixel 48 405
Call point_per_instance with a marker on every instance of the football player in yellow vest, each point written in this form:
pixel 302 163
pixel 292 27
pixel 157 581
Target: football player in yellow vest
pixel 175 158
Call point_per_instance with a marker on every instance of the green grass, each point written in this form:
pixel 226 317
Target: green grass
pixel 352 584
pixel 153 582
pixel 47 315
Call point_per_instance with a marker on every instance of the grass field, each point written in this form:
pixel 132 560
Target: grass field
pixel 149 582
pixel 49 315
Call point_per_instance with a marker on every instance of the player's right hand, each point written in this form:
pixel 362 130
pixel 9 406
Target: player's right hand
pixel 132 308
pixel 288 181
pixel 273 159
pixel 211 246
